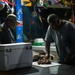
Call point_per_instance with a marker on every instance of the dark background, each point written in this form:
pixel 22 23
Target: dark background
pixel 35 28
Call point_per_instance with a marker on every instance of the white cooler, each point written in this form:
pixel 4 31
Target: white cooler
pixel 15 55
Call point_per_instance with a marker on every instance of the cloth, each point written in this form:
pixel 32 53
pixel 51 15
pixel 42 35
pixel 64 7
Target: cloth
pixel 11 35
pixel 64 39
pixel 6 36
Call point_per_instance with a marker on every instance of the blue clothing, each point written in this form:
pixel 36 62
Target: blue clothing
pixel 64 39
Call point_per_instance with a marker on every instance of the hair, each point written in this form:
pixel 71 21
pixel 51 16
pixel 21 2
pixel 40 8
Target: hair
pixel 53 18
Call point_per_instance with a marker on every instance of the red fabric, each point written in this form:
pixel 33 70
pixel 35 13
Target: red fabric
pixel 9 2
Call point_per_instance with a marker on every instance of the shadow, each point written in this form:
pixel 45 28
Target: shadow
pixel 66 70
pixel 20 71
pixel 55 70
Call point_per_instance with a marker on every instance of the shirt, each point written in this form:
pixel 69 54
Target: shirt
pixel 6 36
pixel 64 38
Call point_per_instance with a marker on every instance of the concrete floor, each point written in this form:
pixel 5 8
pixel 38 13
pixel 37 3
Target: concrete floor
pixel 35 70
pixel 56 70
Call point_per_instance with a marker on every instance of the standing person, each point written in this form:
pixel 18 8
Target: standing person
pixel 62 32
pixel 6 33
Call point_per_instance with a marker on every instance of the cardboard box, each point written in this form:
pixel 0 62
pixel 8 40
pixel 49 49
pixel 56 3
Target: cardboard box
pixel 15 55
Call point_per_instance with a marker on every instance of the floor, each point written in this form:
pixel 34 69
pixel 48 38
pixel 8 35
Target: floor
pixel 34 70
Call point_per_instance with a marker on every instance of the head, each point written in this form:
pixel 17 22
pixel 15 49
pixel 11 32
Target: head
pixel 54 21
pixel 11 21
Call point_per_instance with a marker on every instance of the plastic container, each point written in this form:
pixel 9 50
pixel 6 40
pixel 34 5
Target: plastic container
pixel 38 42
pixel 15 55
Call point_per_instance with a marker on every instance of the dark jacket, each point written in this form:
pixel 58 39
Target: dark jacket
pixel 6 37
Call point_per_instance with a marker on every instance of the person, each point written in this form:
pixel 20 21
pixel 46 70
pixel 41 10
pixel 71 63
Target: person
pixel 62 32
pixel 8 32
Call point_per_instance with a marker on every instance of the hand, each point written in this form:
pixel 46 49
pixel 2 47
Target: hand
pixel 47 55
pixel 44 60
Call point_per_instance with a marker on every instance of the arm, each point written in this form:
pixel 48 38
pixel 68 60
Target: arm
pixel 46 59
pixel 47 47
pixel 48 40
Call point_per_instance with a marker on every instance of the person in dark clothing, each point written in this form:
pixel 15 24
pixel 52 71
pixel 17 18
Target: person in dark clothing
pixel 62 32
pixel 6 32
